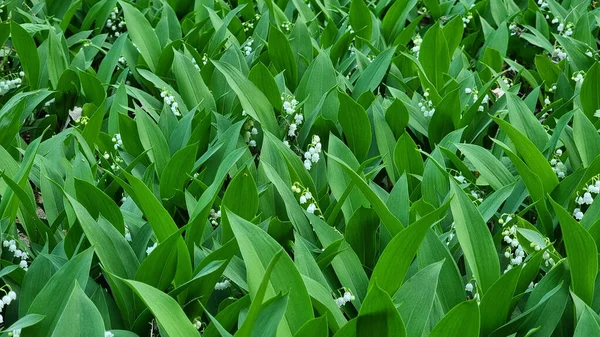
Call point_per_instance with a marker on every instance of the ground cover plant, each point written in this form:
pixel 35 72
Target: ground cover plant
pixel 299 168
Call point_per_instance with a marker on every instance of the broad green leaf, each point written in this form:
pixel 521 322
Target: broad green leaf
pixel 192 88
pixel 475 239
pixel 25 46
pixel 416 297
pixel 371 77
pixel 398 255
pixel 53 298
pixel 461 321
pixel 142 34
pixel 80 317
pixel 253 101
pixel 590 92
pixel 257 249
pixel 356 126
pixel 168 313
pixel 491 169
pixel 391 223
pixel 378 315
pixel 582 254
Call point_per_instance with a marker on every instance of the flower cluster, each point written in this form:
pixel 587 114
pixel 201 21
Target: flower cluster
pixel 585 200
pixel 18 253
pixel 558 54
pixel 514 251
pixel 344 298
pixel 127 233
pixel 578 77
pixel 417 40
pixel 247 46
pixel 557 165
pixel 249 25
pixel 249 131
pixel 467 19
pixel 451 234
pixel 82 120
pixel 118 142
pixel 116 23
pixel 514 29
pixel 197 324
pixel 170 101
pixel 543 4
pixel 471 288
pixel 7 85
pixel 548 260
pixel 565 30
pixel 287 26
pixel 426 105
pixel 214 217
pixel 312 155
pixel 49 102
pixel 5 301
pixel 306 198
pixel 223 285
pixel 115 165
pixel 196 64
pixel 151 248
pixel 290 105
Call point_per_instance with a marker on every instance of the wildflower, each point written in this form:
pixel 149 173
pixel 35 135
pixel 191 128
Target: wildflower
pixel 469 287
pixel 197 324
pixel 222 285
pixel 151 248
pixel 23 265
pixel 311 208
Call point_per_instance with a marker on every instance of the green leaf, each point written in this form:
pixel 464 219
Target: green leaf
pixel 168 313
pixel 191 86
pixel 496 303
pixel 582 254
pixel 398 255
pixel 531 155
pixel 434 55
pixel 176 172
pixel 475 239
pixel 153 140
pixel 371 77
pixel 257 249
pixel 391 223
pixel 24 322
pixel 491 169
pixel 28 53
pixel 241 196
pixel 378 315
pixel 588 324
pixel 254 102
pixel 57 61
pixel 523 120
pixel 416 297
pixel 53 297
pixel 80 317
pixel 590 92
pixel 282 56
pixel 586 138
pixel 461 321
pixel 356 126
pixel 142 34
pixel 360 19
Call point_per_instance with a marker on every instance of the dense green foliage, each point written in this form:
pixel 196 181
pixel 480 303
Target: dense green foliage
pixel 299 168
